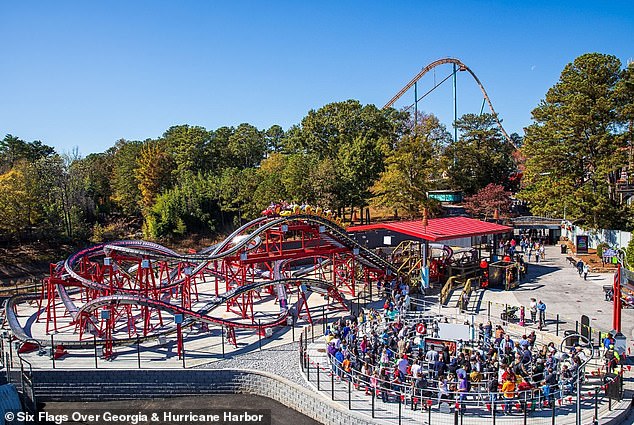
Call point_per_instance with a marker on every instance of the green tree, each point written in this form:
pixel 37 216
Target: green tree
pixel 20 206
pixel 296 179
pixel 235 190
pixel 247 146
pixel 335 125
pixel 480 156
pixel 13 149
pixel 96 171
pixel 326 182
pixel 274 138
pixel 353 139
pixel 154 174
pixel 126 194
pixel 624 98
pixel 188 207
pixel 413 168
pixel 270 188
pixel 573 145
pixel 189 147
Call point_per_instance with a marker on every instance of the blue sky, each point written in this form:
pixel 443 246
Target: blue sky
pixel 85 74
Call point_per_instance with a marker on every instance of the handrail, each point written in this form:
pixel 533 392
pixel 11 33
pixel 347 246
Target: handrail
pixel 407 390
pixel 467 289
pixel 448 288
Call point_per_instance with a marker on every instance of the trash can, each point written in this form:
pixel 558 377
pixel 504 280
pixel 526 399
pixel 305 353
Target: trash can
pixel 571 341
pixel 564 249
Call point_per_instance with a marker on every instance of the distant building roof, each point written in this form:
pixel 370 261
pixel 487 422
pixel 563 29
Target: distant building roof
pixel 438 229
pixel 536 222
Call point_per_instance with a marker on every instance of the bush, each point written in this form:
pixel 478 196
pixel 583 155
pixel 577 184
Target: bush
pixel 629 254
pixel 602 247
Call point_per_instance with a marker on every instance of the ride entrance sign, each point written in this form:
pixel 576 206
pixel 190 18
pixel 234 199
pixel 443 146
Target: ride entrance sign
pixel 582 244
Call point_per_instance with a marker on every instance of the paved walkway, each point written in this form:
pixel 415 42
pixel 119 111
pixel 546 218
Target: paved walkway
pixel 565 293
pixel 558 284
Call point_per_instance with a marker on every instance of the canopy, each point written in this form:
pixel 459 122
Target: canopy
pixel 438 229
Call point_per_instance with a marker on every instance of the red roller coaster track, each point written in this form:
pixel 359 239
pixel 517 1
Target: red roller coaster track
pixel 118 291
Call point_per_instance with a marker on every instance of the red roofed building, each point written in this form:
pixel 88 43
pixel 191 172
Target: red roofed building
pixel 454 231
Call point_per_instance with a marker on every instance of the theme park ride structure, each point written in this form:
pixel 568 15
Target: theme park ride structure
pixel 117 293
pixel 457 66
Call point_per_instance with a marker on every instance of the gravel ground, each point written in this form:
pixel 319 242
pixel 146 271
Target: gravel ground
pixel 282 360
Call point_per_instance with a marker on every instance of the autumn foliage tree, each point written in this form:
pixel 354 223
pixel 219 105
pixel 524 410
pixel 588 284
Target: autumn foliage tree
pixel 488 199
pixel 413 168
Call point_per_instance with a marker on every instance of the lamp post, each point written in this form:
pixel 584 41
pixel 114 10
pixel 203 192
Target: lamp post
pixel 424 269
pixel 496 218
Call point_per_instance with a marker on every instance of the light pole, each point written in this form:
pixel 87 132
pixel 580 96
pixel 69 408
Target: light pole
pixel 424 267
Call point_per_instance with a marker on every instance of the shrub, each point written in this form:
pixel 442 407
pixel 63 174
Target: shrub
pixel 602 247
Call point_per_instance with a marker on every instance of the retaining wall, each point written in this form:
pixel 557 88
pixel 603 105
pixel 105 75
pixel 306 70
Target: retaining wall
pixel 102 385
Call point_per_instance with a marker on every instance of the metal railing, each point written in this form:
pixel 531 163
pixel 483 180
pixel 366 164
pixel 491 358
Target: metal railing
pixel 387 400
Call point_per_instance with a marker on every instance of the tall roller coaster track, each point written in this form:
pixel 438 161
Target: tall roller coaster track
pixel 461 67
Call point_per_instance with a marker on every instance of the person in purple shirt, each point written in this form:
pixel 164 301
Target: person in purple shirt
pixel 331 349
pixel 463 389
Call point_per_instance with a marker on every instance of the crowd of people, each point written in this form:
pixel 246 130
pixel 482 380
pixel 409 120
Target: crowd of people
pixel 531 247
pixel 384 355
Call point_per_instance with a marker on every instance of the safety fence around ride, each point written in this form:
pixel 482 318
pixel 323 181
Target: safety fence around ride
pixel 29 286
pixel 200 343
pixel 406 402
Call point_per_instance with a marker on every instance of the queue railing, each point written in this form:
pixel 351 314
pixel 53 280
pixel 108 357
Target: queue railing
pixel 400 402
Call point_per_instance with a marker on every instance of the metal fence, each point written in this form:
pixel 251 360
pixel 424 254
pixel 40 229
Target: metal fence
pixel 404 403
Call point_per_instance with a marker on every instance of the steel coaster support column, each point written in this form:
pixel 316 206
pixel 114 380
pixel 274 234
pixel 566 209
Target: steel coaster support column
pixel 351 273
pixel 334 295
pixel 108 348
pixel 43 292
pixel 455 106
pixel 250 298
pixel 165 273
pixel 343 272
pixel 195 288
pixel 216 276
pixel 132 330
pixel 51 311
pixel 186 300
pixel 302 303
pixel 416 104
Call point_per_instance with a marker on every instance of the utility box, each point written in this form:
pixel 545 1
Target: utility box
pixel 503 274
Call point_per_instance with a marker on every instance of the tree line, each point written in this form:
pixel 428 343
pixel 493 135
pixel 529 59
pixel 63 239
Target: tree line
pixel 342 156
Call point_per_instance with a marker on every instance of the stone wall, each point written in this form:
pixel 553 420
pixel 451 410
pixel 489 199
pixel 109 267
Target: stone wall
pixel 102 385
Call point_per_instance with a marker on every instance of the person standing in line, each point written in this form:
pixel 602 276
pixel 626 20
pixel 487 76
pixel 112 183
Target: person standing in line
pixel 541 307
pixel 508 391
pixel 533 309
